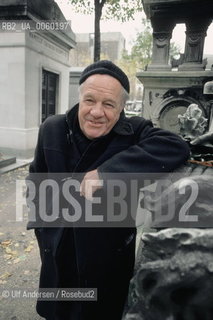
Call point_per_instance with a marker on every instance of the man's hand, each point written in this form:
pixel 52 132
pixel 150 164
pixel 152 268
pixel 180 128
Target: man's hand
pixel 90 183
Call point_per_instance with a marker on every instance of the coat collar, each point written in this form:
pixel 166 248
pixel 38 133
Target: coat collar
pixel 122 126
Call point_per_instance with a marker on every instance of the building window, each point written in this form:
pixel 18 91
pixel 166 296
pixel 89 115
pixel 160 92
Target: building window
pixel 49 89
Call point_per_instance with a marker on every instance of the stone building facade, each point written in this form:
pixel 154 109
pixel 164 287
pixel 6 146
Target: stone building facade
pixel 112 46
pixel 34 70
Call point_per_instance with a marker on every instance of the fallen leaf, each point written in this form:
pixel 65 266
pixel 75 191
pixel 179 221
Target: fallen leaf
pixel 6 243
pixel 5 275
pixel 29 248
pixel 16 260
pixel 8 256
pixel 10 251
pixel 3 281
pixel 26 272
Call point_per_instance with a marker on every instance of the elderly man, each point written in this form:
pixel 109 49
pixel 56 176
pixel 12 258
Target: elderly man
pixel 95 138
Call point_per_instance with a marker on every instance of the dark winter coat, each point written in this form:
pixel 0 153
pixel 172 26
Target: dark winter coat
pixel 101 258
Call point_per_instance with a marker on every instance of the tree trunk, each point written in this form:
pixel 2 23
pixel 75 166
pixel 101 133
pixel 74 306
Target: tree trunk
pixel 97 36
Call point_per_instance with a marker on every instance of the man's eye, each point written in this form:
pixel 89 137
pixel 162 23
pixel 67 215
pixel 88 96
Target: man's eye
pixel 109 105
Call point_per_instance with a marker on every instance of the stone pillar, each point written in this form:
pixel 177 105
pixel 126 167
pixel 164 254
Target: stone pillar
pixel 75 73
pixel 195 37
pixel 162 33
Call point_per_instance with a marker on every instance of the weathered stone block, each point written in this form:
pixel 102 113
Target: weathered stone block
pixel 175 277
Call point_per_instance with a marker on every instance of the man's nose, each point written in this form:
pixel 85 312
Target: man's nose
pixel 97 110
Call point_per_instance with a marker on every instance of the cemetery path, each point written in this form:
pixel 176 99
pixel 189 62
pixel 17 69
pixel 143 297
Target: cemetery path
pixel 19 256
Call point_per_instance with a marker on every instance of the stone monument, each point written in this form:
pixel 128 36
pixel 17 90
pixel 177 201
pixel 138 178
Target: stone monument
pixel 168 92
pixel 174 266
pixel 35 42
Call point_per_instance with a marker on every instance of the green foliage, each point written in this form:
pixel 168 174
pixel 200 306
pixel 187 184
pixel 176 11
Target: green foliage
pixel 121 10
pixel 130 67
pixel 141 52
pixel 174 50
pixel 142 48
pixel 140 55
pixel 82 6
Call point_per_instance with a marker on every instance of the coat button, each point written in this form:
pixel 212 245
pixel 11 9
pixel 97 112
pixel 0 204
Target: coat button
pixel 47 250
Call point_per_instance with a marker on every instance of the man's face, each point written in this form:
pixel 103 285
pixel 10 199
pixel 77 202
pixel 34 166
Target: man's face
pixel 100 105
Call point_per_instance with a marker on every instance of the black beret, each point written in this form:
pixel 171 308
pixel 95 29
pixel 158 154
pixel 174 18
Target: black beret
pixel 105 67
